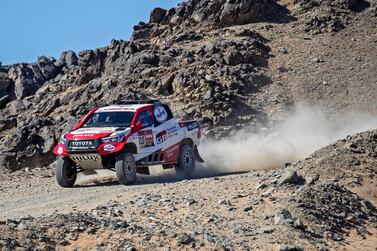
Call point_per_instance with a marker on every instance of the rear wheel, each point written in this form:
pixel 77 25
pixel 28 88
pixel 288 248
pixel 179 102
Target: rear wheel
pixel 125 168
pixel 66 172
pixel 186 164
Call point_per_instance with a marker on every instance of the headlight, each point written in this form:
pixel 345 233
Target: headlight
pixel 62 140
pixel 113 139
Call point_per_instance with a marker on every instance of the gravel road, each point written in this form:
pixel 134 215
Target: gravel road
pixel 36 193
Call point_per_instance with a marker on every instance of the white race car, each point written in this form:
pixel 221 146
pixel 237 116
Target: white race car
pixel 128 139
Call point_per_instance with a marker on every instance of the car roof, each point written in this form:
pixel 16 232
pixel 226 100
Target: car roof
pixel 121 108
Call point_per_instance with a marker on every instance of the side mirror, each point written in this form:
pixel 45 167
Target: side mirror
pixel 138 125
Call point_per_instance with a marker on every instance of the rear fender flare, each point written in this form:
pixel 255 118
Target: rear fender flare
pixel 190 142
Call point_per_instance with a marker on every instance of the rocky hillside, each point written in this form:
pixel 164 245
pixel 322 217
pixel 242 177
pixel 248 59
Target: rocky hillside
pixel 326 202
pixel 225 63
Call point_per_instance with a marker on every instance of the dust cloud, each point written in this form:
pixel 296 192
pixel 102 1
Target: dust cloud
pixel 301 132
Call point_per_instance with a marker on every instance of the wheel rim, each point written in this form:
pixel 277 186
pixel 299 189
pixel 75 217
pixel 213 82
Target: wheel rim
pixel 187 160
pixel 129 167
pixel 71 171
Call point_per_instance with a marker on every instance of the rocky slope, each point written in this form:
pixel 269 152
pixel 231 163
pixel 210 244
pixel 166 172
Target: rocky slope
pixel 225 63
pixel 320 203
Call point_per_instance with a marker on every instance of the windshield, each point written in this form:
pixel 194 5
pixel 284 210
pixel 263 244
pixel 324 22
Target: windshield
pixel 110 119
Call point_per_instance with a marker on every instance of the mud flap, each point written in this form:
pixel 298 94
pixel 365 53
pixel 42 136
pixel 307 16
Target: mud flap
pixel 197 156
pixel 143 170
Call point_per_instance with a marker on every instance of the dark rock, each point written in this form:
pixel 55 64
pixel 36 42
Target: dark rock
pixel 157 15
pixel 8 123
pixel 4 101
pixel 289 248
pixel 248 208
pixel 283 217
pixel 260 186
pixel 185 239
pixel 190 202
pixel 5 84
pixel 47 68
pixel 69 58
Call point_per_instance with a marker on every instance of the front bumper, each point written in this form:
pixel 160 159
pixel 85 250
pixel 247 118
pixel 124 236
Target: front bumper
pixel 101 149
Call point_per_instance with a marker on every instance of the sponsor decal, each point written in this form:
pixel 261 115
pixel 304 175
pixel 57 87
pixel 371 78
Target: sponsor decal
pixel 161 137
pixel 84 135
pixel 90 132
pixel 142 140
pixel 81 143
pixel 172 131
pixel 108 148
pixel 192 125
pixel 145 138
pixel 172 153
pixel 160 113
pixel 149 139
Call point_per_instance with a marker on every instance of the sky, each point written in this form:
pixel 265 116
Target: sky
pixel 31 28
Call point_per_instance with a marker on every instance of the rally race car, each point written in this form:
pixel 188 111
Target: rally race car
pixel 127 139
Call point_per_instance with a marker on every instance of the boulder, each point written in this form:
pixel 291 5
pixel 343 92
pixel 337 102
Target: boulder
pixel 46 67
pixel 6 87
pixel 22 75
pixel 15 107
pixel 157 15
pixel 290 176
pixel 28 78
pixel 69 58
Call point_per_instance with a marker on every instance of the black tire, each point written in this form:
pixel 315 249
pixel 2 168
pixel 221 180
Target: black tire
pixel 186 165
pixel 66 172
pixel 125 168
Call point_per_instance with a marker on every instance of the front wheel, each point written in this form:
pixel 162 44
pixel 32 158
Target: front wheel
pixel 186 165
pixel 66 172
pixel 125 168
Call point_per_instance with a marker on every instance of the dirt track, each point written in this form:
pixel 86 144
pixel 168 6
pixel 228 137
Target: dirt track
pixel 36 193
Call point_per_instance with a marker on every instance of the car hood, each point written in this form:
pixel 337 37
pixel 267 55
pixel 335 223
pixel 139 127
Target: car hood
pixel 94 133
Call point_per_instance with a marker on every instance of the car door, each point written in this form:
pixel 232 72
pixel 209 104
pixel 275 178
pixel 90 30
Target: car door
pixel 145 135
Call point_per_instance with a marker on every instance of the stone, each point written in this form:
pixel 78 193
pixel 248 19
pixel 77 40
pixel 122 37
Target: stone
pixel 157 15
pixel 312 179
pixel 261 186
pixel 248 208
pixel 15 107
pixel 69 58
pixel 298 223
pixel 4 101
pixel 190 202
pixel 167 84
pixel 283 217
pixel 290 176
pixel 289 248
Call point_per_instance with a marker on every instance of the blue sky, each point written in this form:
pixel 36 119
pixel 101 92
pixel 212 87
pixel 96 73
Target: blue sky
pixel 30 28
